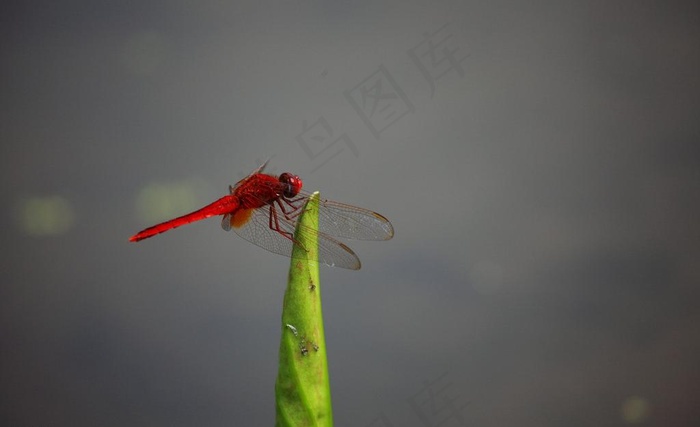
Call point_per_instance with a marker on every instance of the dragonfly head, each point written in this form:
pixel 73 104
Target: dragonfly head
pixel 292 184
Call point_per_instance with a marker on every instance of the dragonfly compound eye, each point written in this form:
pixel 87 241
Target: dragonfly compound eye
pixel 293 184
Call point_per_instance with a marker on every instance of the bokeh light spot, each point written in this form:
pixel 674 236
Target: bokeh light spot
pixel 45 216
pixel 161 201
pixel 635 410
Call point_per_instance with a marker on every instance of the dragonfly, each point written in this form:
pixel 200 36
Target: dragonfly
pixel 264 209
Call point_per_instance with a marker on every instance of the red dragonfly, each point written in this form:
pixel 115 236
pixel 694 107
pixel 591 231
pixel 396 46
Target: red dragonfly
pixel 264 209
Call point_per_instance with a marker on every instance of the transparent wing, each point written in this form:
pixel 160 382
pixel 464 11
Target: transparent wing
pixel 351 222
pixel 339 219
pixel 232 188
pixel 254 226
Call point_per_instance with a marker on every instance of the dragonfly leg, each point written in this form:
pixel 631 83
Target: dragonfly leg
pixel 295 210
pixel 274 224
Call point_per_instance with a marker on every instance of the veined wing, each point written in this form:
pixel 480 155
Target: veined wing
pixel 254 226
pixel 347 221
pixel 232 188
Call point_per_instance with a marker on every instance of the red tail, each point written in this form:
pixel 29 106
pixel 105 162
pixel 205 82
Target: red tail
pixel 226 204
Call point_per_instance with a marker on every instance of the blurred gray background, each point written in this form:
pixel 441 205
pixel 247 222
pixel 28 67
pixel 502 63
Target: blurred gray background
pixel 540 164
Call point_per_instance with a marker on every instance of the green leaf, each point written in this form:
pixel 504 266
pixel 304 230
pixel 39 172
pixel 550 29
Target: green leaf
pixel 302 392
